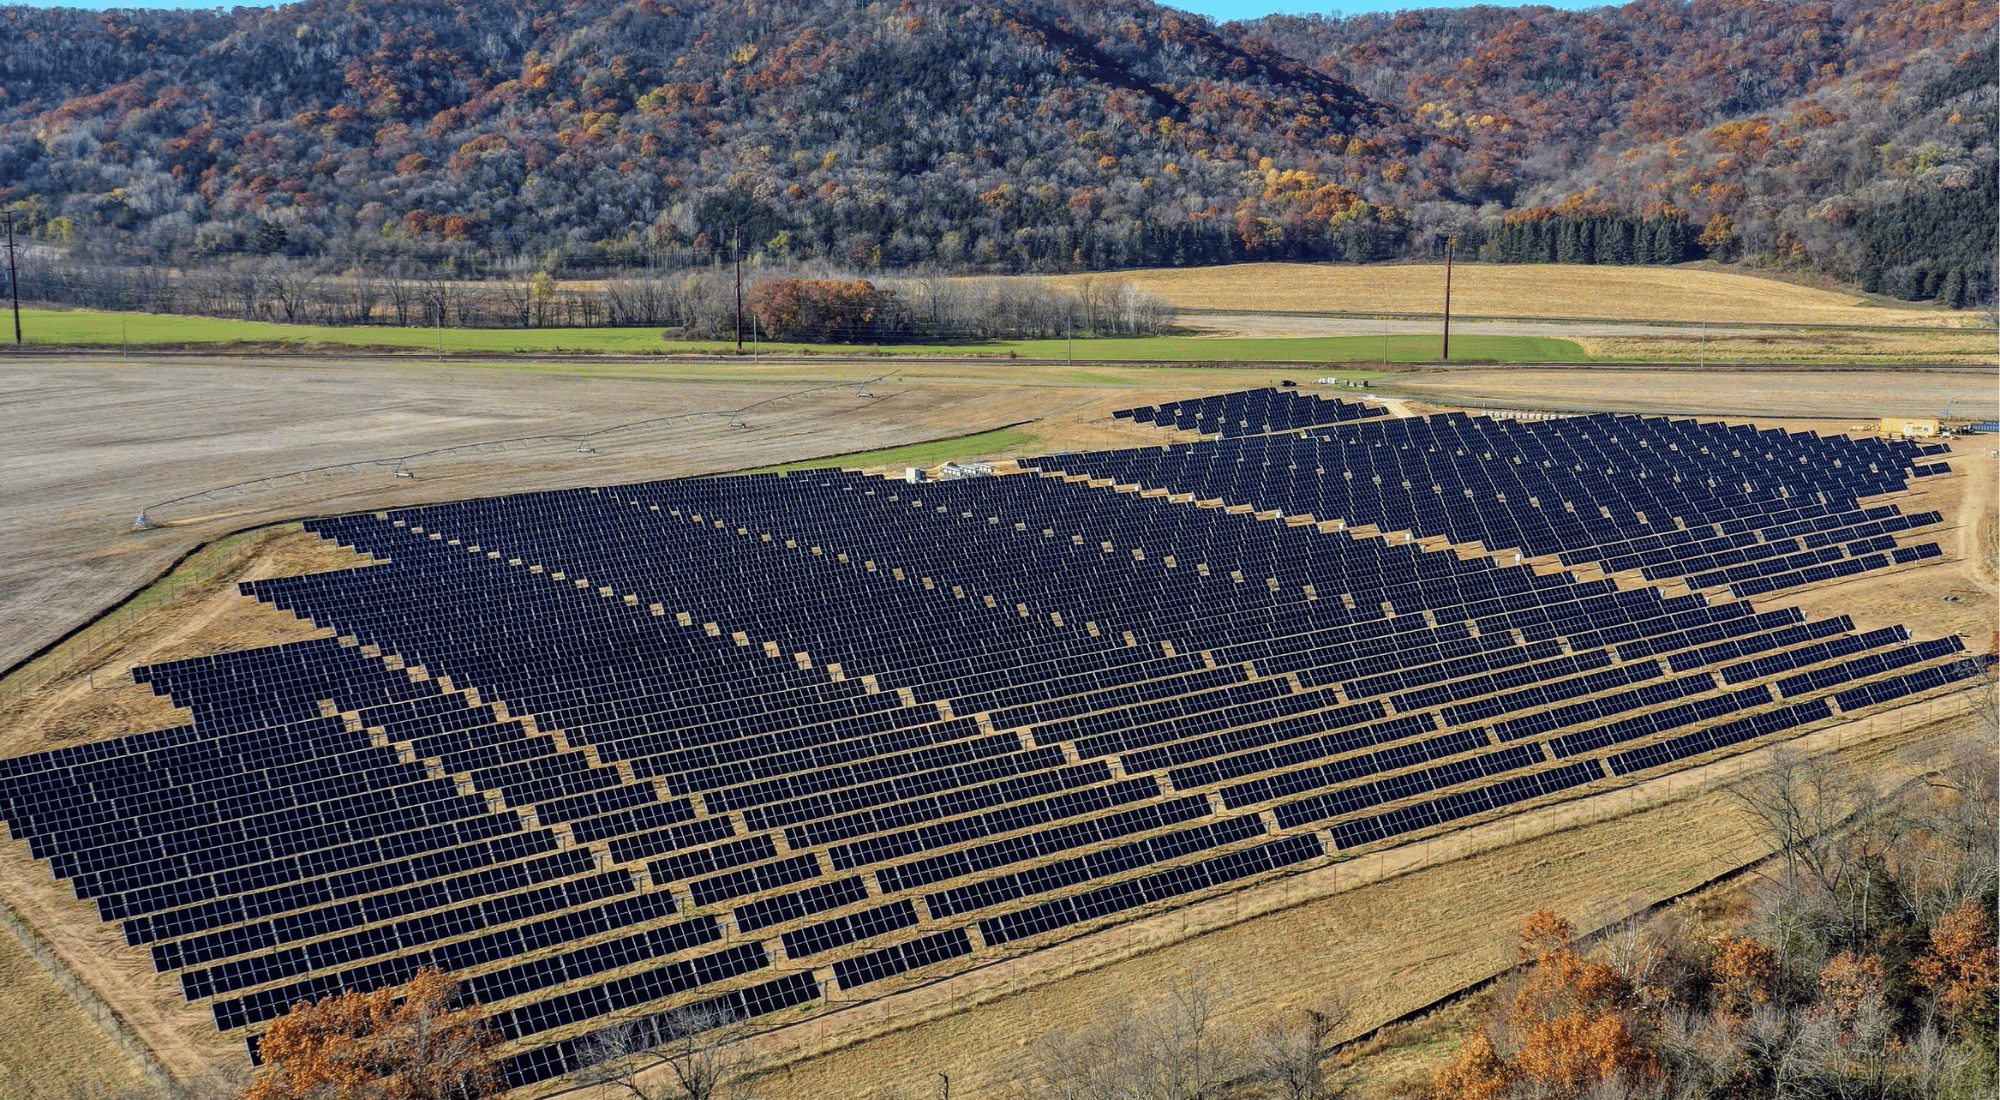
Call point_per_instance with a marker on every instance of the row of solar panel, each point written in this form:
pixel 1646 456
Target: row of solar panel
pixel 1018 815
pixel 1102 863
pixel 1347 800
pixel 303 872
pixel 576 919
pixel 818 808
pixel 734 783
pixel 1820 679
pixel 1289 747
pixel 673 838
pixel 345 950
pixel 1159 886
pixel 588 676
pixel 1023 847
pixel 1813 575
pixel 962 800
pixel 1688 548
pixel 1423 815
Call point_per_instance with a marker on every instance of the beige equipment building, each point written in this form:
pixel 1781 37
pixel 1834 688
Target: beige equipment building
pixel 1909 429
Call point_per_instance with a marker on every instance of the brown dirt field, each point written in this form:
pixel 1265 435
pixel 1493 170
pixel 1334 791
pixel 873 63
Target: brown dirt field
pixel 1688 293
pixel 1790 347
pixel 1852 399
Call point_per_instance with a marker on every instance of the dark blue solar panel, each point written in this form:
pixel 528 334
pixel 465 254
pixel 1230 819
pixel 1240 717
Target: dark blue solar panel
pixel 807 702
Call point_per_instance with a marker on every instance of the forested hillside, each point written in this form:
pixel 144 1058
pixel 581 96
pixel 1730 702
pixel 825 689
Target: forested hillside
pixel 1851 136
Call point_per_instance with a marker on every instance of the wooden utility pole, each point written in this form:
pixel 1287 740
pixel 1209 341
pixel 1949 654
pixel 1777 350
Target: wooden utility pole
pixel 1450 245
pixel 13 279
pixel 736 254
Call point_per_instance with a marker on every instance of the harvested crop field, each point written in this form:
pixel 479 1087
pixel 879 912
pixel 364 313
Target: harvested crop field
pixel 1687 293
pixel 1847 399
pixel 1864 346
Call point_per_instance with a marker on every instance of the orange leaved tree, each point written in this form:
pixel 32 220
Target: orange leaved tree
pixel 839 310
pixel 1571 1025
pixel 378 1046
pixel 1963 968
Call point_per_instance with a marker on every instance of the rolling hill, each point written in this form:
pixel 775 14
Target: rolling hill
pixel 1854 136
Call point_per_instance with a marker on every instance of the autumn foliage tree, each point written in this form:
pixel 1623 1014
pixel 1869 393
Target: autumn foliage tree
pixel 1861 963
pixel 827 310
pixel 1961 968
pixel 1742 975
pixel 379 1046
pixel 1571 1020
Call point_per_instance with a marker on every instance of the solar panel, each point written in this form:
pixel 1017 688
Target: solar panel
pixel 716 742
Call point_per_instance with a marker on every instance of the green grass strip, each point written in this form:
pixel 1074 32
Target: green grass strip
pixel 100 328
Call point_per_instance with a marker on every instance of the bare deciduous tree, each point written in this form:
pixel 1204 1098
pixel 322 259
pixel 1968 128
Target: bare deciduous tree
pixel 1832 855
pixel 1293 1049
pixel 1172 1049
pixel 685 1054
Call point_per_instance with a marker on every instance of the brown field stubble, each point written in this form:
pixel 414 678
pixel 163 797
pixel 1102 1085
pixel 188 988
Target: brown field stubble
pixel 1840 401
pixel 1892 348
pixel 1685 293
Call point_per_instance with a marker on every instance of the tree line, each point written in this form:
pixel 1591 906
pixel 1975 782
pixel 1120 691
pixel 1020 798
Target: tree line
pixel 810 303
pixel 1600 237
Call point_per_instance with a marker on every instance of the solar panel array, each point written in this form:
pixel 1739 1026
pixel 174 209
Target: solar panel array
pixel 740 742
pixel 1250 412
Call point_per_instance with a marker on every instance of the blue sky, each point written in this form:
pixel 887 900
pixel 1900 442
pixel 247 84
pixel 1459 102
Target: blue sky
pixel 1220 9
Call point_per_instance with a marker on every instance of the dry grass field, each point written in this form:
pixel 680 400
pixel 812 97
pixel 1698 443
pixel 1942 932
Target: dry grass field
pixel 1400 929
pixel 45 1029
pixel 1840 401
pixel 1686 293
pixel 1802 345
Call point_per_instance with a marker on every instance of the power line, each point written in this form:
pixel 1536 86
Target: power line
pixel 13 280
